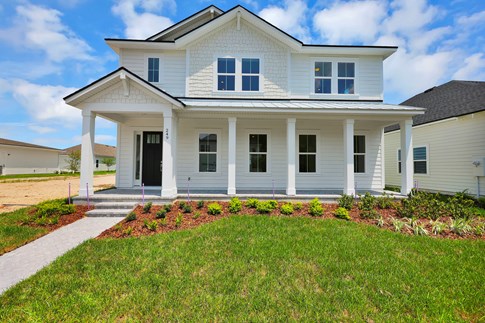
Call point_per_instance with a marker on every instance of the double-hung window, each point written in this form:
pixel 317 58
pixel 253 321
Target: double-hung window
pixel 226 74
pixel 250 74
pixel 419 158
pixel 207 152
pixel 359 154
pixel 307 153
pixel 258 151
pixel 153 69
pixel 346 78
pixel 323 77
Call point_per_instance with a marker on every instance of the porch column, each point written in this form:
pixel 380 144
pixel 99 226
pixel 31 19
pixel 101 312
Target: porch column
pixel 349 184
pixel 168 187
pixel 87 153
pixel 231 171
pixel 291 144
pixel 406 156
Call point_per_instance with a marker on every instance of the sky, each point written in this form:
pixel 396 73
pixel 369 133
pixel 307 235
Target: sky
pixel 50 48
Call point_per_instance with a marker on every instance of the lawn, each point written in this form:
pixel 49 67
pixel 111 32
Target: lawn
pixel 16 176
pixel 259 268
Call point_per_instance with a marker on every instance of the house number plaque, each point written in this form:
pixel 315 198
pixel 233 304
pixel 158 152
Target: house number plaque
pixel 166 133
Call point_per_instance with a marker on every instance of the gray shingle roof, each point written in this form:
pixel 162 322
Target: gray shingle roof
pixel 452 99
pixel 99 150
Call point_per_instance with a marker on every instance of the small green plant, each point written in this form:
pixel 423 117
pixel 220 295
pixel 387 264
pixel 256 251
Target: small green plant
pixel 315 208
pixel 398 225
pixel 118 227
pixel 342 213
pixel 273 204
pixel 151 225
pixel 367 202
pixel 380 222
pixel 147 207
pixel 161 214
pixel 163 222
pixel 252 203
pixel 287 209
pixel 196 215
pixel 235 205
pixel 460 226
pixel 369 214
pixel 479 229
pixel 167 207
pixel 214 208
pixel 481 202
pixel 49 212
pixel 187 208
pixel 419 230
pixel 346 201
pixel 128 231
pixel 437 227
pixel 179 219
pixel 298 206
pixel 264 207
pixel 460 206
pixel 384 202
pixel 200 204
pixel 182 204
pixel 131 216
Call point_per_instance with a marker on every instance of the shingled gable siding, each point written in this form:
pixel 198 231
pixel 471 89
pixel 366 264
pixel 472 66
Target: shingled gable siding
pixel 451 146
pixel 229 41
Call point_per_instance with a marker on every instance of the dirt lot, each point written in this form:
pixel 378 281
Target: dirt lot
pixel 17 194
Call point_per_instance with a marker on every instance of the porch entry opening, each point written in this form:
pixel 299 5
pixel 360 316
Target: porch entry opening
pixel 152 158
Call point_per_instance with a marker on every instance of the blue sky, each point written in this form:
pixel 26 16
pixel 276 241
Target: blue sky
pixel 50 48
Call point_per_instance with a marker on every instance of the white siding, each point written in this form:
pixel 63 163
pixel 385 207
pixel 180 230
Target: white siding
pixel 370 78
pixel 452 144
pixel 23 160
pixel 172 68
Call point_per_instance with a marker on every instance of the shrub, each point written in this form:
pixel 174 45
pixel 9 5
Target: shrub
pixel 298 205
pixel 398 225
pixel 179 219
pixel 367 202
pixel 315 208
pixel 151 225
pixel 147 207
pixel 182 205
pixel 460 206
pixel 479 229
pixel 252 203
pixel 369 214
pixel 161 214
pixel 187 208
pixel 214 208
pixel 384 202
pixel 460 226
pixel 273 204
pixel 196 215
pixel 235 205
pixel 380 222
pixel 481 202
pixel 53 208
pixel 342 213
pixel 167 207
pixel 128 231
pixel 438 227
pixel 200 204
pixel 286 209
pixel 346 201
pixel 131 216
pixel 163 222
pixel 265 207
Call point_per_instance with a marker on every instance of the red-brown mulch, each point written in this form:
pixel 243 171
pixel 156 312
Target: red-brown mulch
pixel 64 219
pixel 138 227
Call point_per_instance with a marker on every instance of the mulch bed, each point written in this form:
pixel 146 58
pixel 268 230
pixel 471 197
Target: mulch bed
pixel 63 219
pixel 139 227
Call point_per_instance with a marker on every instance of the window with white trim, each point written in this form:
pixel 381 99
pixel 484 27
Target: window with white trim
pixel 346 78
pixel 307 153
pixel 258 153
pixel 334 76
pixel 359 154
pixel 250 74
pixel 323 77
pixel 153 69
pixel 420 160
pixel 207 152
pixel 226 74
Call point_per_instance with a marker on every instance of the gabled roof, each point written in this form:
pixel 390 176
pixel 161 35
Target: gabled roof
pixel 120 73
pixel 99 150
pixel 452 99
pixel 9 142
pixel 239 12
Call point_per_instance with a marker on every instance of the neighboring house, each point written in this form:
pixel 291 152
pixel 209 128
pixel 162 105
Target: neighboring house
pixel 18 157
pixel 237 105
pixel 447 139
pixel 101 151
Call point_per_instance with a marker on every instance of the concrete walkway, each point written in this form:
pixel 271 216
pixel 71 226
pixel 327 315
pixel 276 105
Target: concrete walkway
pixel 25 261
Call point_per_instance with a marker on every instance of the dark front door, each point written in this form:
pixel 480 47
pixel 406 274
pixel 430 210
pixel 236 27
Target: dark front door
pixel 152 158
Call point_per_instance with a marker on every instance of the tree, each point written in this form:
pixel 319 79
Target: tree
pixel 108 161
pixel 74 161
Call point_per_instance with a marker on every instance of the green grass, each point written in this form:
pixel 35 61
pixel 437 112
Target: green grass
pixel 15 176
pixel 13 235
pixel 259 268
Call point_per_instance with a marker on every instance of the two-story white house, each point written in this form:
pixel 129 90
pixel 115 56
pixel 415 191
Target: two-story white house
pixel 237 105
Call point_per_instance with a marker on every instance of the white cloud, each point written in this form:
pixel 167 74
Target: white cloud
pixel 105 139
pixel 473 69
pixel 41 29
pixel 41 129
pixel 45 103
pixel 144 24
pixel 345 22
pixel 291 18
pixel 410 16
pixel 473 20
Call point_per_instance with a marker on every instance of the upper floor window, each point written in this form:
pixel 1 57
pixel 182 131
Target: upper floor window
pixel 250 74
pixel 419 158
pixel 359 154
pixel 153 69
pixel 258 151
pixel 226 74
pixel 207 152
pixel 346 77
pixel 323 77
pixel 307 152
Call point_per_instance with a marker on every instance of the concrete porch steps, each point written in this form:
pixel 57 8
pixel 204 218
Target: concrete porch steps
pixel 111 209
